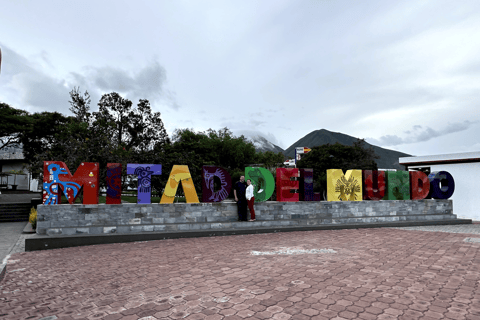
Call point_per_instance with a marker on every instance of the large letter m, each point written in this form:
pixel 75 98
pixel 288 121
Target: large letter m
pixel 57 179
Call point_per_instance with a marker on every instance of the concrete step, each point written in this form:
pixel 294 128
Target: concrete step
pixel 43 242
pixel 258 224
pixel 12 212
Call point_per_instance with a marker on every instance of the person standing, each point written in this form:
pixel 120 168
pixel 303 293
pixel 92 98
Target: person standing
pixel 250 199
pixel 239 190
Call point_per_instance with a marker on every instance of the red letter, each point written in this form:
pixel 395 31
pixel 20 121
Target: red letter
pixel 419 185
pixel 373 185
pixel 57 176
pixel 285 184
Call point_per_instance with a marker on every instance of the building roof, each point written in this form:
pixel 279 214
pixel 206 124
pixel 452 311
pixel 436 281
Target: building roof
pixel 11 153
pixel 11 156
pixel 441 159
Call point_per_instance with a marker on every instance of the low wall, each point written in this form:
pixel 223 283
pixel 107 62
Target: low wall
pixel 137 218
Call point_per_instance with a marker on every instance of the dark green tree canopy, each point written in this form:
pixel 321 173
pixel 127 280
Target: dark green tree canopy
pixel 270 159
pixel 130 127
pixel 198 148
pixel 80 105
pixel 13 123
pixel 117 133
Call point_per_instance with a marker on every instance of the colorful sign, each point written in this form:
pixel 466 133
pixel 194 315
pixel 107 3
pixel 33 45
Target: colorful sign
pixel 263 183
pixel 144 173
pixel 292 184
pixel 114 183
pixel 209 173
pixel 344 187
pixel 306 188
pixel 398 185
pixel 180 174
pixel 57 179
pixel 299 151
pixel 287 184
pixel 373 185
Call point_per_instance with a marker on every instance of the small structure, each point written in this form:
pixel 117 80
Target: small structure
pixel 11 166
pixel 464 167
pixel 3 180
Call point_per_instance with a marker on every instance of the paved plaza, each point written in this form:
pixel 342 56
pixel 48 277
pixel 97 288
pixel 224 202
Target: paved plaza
pixel 383 273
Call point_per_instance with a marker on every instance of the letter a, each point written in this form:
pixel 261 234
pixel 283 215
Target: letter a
pixel 179 173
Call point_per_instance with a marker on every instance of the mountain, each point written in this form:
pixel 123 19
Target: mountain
pixel 388 158
pixel 262 144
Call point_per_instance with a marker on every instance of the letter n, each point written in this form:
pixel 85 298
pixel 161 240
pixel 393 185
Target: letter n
pixel 398 185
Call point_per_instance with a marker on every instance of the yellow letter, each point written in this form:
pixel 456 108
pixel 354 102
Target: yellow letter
pixel 342 187
pixel 179 174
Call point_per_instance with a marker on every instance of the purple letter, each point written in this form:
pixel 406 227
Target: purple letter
pixel 144 173
pixel 208 175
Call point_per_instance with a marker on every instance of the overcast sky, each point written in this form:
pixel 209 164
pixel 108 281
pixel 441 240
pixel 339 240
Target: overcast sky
pixel 404 75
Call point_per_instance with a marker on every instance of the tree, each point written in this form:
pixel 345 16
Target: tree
pixel 117 133
pixel 270 159
pixel 130 127
pixel 80 105
pixel 135 134
pixel 196 149
pixel 13 123
pixel 337 156
pixel 39 139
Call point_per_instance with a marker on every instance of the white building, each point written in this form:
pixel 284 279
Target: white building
pixel 465 169
pixel 12 160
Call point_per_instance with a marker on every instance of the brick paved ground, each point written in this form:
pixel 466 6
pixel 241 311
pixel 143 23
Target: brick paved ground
pixel 374 274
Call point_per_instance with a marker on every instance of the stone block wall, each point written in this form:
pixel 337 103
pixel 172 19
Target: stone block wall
pixel 135 218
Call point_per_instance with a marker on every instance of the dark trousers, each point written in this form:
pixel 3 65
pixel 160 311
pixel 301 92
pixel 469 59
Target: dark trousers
pixel 242 209
pixel 250 207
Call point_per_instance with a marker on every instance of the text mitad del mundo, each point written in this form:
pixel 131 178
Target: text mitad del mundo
pixel 292 184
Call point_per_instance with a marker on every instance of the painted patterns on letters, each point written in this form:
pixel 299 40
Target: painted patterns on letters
pixel 57 179
pixel 344 187
pixel 179 174
pixel 144 172
pixel 263 182
pixel 208 183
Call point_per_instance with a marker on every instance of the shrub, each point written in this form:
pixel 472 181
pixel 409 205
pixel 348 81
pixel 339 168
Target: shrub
pixel 33 218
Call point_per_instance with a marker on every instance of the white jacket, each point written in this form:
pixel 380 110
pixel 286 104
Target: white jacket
pixel 249 192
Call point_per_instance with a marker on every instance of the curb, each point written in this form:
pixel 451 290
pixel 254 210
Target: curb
pixel 3 271
pixel 57 242
pixel 28 228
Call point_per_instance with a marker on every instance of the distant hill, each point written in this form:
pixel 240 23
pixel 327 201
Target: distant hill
pixel 262 144
pixel 388 158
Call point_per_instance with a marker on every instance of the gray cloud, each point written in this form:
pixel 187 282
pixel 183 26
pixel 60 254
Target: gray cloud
pixel 255 133
pixel 421 134
pixel 148 83
pixel 32 89
pixel 41 91
pixel 29 86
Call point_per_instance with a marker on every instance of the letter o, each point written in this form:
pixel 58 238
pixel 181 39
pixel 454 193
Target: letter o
pixel 436 189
